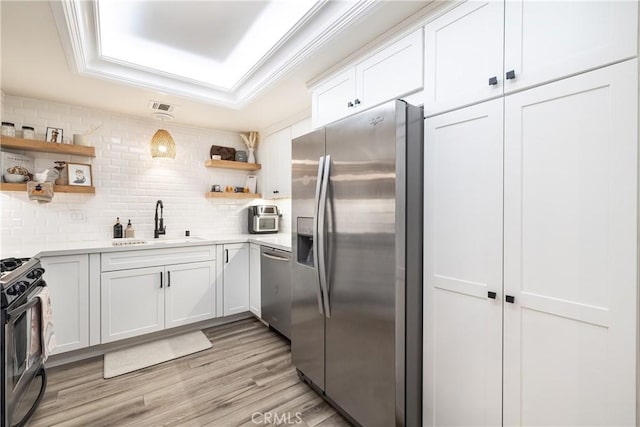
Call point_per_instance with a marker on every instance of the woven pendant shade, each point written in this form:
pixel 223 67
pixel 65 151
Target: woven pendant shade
pixel 162 145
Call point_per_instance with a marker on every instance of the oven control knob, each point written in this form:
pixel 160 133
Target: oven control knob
pixel 18 288
pixel 35 273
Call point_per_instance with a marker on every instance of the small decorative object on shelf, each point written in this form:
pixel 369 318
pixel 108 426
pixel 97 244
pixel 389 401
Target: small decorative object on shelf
pixel 251 141
pixel 60 165
pixel 54 135
pixel 8 129
pixel 79 174
pixel 241 156
pixel 225 153
pixel 28 132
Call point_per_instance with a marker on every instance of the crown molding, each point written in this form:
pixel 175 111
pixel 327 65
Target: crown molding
pixel 78 27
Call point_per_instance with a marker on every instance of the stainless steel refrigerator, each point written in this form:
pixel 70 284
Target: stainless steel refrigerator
pixel 357 270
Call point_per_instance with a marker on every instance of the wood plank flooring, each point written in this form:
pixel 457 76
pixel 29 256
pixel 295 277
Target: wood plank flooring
pixel 247 373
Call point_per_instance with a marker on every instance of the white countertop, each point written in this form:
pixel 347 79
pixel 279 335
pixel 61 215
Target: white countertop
pixel 278 241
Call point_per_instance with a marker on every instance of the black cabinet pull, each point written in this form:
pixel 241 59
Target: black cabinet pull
pixel 492 294
pixel 226 256
pixel 276 191
pixel 357 101
pixel 510 299
pixel 161 279
pixel 493 81
pixel 168 279
pixel 349 104
pixel 511 75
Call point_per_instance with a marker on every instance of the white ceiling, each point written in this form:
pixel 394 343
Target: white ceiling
pixel 234 65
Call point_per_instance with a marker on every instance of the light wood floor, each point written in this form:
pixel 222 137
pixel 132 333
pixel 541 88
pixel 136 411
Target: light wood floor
pixel 248 371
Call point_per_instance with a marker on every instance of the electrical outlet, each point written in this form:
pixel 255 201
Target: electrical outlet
pixel 77 215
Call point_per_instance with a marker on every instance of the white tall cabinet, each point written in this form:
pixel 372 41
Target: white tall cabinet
pixel 463 267
pixel 531 214
pixel 570 250
pixel 67 278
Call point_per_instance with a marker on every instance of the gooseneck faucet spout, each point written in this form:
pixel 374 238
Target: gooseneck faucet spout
pixel 159 221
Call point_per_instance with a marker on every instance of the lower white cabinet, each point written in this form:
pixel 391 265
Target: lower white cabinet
pixel 139 301
pixel 132 303
pixel 189 293
pixel 235 278
pixel 68 280
pixel 531 259
pixel 254 280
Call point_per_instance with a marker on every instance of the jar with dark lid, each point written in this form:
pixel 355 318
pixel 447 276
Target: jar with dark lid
pixel 8 129
pixel 28 132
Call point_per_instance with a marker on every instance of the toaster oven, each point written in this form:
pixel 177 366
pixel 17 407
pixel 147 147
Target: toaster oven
pixel 263 219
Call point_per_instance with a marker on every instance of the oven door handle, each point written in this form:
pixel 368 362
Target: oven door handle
pixel 24 307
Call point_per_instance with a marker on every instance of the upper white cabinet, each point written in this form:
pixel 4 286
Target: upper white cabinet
pixel 538 42
pixel 463 61
pixel 236 278
pixel 334 98
pixel 546 40
pixel 276 172
pixel 392 72
pixel 255 305
pixel 67 278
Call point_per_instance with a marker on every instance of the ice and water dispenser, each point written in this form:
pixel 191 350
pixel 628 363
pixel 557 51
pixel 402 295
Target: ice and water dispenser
pixel 305 241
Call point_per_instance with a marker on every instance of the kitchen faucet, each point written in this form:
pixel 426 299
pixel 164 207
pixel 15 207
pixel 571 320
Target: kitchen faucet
pixel 160 228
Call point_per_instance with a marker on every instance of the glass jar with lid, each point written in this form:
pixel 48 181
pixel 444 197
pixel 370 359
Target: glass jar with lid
pixel 8 129
pixel 28 132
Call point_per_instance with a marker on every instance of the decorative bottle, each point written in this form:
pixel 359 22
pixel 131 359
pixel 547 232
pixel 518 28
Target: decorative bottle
pixel 129 232
pixel 117 229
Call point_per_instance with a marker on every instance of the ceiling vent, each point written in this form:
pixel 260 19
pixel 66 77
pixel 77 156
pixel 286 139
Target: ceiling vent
pixel 160 106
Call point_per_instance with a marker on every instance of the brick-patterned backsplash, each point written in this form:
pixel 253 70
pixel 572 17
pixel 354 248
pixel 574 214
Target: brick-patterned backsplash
pixel 128 181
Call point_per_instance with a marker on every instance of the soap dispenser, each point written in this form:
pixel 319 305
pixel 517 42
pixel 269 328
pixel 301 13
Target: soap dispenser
pixel 117 229
pixel 129 232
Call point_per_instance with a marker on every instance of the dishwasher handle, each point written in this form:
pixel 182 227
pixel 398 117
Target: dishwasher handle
pixel 277 258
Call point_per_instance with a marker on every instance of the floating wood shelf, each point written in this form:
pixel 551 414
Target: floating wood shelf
pixel 230 195
pixel 228 164
pixel 46 147
pixel 8 186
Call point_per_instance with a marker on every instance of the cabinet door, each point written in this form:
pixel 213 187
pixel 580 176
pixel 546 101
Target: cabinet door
pixel 463 264
pixel 277 167
pixel 254 280
pixel 464 49
pixel 68 280
pixel 334 98
pixel 190 293
pixel 547 40
pixel 395 71
pixel 570 251
pixel 132 303
pixel 236 278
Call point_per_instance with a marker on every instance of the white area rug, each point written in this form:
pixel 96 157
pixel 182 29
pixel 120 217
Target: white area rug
pixel 152 353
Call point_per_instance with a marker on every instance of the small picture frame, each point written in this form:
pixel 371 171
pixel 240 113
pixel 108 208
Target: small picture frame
pixel 54 135
pixel 79 174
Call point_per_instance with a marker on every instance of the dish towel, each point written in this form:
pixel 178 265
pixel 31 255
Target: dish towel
pixel 40 191
pixel 46 323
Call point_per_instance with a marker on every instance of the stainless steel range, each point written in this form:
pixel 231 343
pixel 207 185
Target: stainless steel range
pixel 22 351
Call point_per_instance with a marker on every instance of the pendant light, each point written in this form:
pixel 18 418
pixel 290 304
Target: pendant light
pixel 162 144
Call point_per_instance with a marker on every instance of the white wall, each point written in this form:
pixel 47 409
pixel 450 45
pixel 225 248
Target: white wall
pixel 128 181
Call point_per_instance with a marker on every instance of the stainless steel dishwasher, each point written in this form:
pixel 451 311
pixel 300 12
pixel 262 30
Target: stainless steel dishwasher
pixel 275 281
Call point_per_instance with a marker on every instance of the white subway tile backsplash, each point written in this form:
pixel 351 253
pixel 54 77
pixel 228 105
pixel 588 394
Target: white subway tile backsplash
pixel 128 181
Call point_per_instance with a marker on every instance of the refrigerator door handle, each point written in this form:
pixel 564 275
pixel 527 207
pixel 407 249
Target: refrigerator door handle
pixel 322 262
pixel 316 207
